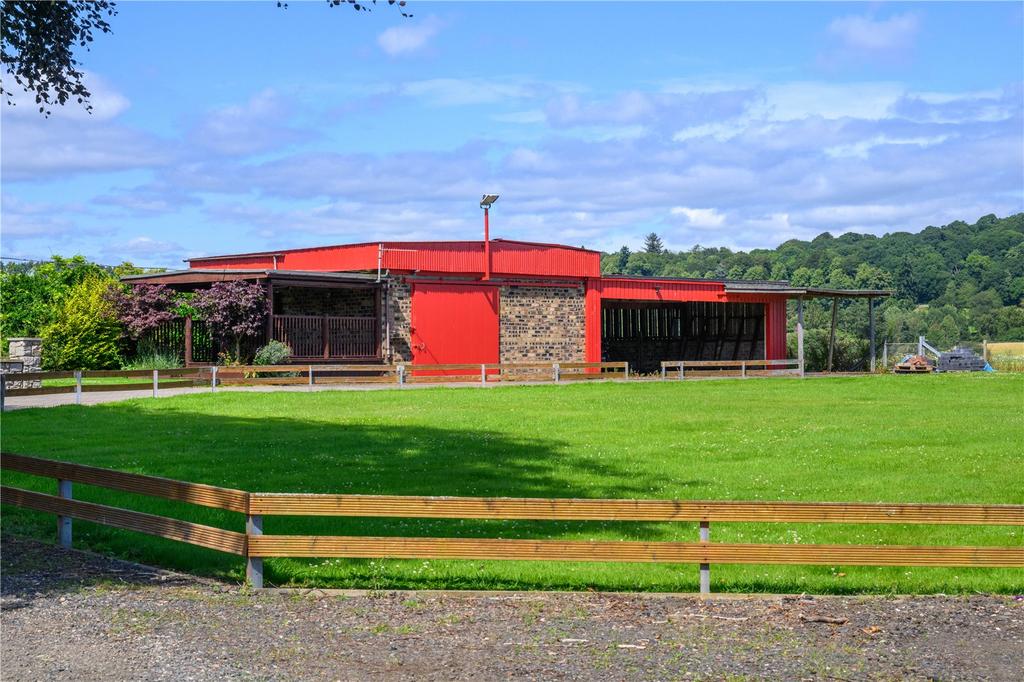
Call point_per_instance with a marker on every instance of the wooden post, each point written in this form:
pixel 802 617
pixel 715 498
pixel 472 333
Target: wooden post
pixel 325 333
pixel 78 387
pixel 871 331
pixel 254 565
pixel 188 340
pixel 984 350
pixel 705 569
pixel 800 333
pixel 156 381
pixel 627 370
pixel 64 522
pixel 832 332
pixel 270 310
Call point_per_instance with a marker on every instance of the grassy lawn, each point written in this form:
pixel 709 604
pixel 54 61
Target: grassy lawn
pixel 943 438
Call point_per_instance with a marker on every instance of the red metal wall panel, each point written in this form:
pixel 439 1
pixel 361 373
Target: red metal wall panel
pixel 508 258
pixel 592 323
pixel 454 324
pixel 775 329
pixel 660 290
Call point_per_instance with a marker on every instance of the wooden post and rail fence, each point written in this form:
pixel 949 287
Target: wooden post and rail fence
pixel 399 374
pixel 254 545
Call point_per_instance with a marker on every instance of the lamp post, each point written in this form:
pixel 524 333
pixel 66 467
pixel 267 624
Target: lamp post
pixel 485 204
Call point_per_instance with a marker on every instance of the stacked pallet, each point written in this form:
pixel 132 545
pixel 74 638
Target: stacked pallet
pixel 915 364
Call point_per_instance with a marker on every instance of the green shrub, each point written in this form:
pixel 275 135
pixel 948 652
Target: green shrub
pixel 85 332
pixel 153 360
pixel 274 353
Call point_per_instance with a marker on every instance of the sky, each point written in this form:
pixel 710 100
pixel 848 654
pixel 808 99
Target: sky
pixel 241 126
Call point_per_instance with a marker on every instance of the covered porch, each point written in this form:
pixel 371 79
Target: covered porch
pixel 323 317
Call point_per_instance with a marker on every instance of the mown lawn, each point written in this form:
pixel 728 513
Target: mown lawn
pixel 951 438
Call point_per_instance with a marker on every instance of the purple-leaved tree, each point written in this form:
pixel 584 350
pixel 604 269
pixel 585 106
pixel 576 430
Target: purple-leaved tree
pixel 233 311
pixel 143 308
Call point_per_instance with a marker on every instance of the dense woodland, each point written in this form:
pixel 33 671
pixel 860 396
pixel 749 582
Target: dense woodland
pixel 958 283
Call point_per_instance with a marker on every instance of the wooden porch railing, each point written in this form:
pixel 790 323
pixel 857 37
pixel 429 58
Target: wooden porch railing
pixel 328 337
pixel 254 545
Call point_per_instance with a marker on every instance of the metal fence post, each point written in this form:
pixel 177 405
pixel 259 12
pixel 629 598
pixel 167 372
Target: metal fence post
pixel 705 569
pixel 156 381
pixel 64 522
pixel 311 377
pixel 682 370
pixel 213 379
pixel 664 371
pixel 885 355
pixel 557 371
pixel 626 368
pixel 78 387
pixel 401 375
pixel 253 565
pixel 483 374
pixel 743 370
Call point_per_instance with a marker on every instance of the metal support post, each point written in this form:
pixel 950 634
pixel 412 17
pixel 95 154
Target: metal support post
pixel 832 333
pixel 682 370
pixel 213 379
pixel 800 334
pixel 78 387
pixel 664 372
pixel 920 345
pixel 885 355
pixel 64 522
pixel 401 375
pixel 743 370
pixel 156 382
pixel 483 375
pixel 871 331
pixel 311 377
pixel 557 370
pixel 705 569
pixel 254 565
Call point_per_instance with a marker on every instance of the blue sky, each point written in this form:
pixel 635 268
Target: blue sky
pixel 239 126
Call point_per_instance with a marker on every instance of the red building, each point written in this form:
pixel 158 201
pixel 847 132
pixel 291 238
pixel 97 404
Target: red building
pixel 462 302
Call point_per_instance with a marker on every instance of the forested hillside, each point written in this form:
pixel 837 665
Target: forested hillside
pixel 956 283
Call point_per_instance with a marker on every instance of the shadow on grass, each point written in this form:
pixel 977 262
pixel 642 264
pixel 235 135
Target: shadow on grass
pixel 285 453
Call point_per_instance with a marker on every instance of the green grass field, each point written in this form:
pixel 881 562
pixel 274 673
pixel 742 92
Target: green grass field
pixel 943 438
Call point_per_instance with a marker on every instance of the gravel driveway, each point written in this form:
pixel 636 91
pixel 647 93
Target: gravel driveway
pixel 74 615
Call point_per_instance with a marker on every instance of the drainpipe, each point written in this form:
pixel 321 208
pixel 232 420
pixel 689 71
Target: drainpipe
pixel 380 259
pixel 487 243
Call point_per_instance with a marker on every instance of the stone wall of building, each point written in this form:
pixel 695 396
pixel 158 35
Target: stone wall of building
pixel 542 324
pixel 26 353
pixel 399 310
pixel 340 302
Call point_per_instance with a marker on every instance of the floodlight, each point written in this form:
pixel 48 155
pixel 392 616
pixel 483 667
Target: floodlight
pixel 488 200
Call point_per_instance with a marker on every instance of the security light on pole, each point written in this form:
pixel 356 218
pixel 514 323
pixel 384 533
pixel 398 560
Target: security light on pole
pixel 485 204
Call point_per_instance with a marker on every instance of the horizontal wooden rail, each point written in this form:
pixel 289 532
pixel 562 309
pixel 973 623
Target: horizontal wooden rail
pixel 154 486
pixel 675 364
pixel 172 529
pixel 645 552
pixel 563 509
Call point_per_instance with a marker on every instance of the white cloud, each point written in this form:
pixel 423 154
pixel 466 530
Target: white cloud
pixel 409 38
pixel 701 218
pixel 866 34
pixel 465 91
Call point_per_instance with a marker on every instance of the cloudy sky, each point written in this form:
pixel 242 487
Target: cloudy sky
pixel 227 127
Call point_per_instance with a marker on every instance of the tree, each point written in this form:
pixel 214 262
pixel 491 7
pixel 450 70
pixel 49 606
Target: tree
pixel 234 311
pixel 38 42
pixel 85 333
pixel 653 243
pixel 143 308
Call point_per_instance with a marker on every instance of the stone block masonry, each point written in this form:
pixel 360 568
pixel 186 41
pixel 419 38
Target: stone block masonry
pixel 542 324
pixel 399 310
pixel 27 353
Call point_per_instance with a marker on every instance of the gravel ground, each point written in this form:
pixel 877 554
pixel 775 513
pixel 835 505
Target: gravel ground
pixel 75 615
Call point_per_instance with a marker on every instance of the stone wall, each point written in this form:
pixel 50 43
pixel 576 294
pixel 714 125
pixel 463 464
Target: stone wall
pixel 29 353
pixel 399 307
pixel 542 324
pixel 341 302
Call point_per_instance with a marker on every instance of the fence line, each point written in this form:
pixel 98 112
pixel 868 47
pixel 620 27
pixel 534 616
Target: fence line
pixel 255 546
